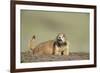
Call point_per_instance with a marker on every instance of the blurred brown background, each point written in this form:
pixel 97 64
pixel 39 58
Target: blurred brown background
pixel 46 25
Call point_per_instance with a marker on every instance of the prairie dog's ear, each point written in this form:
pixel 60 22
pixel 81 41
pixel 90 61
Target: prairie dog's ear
pixel 33 37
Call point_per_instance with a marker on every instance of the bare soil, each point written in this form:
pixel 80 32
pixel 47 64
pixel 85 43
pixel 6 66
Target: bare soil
pixel 27 57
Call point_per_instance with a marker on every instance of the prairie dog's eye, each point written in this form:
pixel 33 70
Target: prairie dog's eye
pixel 59 37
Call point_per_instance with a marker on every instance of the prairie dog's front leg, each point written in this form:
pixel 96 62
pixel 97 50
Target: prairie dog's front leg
pixel 66 51
pixel 56 51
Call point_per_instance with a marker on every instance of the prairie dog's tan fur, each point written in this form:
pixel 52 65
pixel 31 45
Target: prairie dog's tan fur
pixel 45 48
pixel 32 43
pixel 59 46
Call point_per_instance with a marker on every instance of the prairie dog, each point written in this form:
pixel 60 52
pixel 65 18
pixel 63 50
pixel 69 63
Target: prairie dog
pixel 58 46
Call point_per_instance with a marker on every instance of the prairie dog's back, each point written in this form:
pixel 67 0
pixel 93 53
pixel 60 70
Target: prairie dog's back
pixel 44 48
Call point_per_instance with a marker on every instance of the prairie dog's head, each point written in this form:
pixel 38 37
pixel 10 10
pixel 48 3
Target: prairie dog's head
pixel 61 38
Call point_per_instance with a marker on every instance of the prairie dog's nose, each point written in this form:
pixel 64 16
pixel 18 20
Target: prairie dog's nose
pixel 59 39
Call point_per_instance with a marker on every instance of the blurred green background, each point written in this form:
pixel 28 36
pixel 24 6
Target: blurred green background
pixel 47 24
